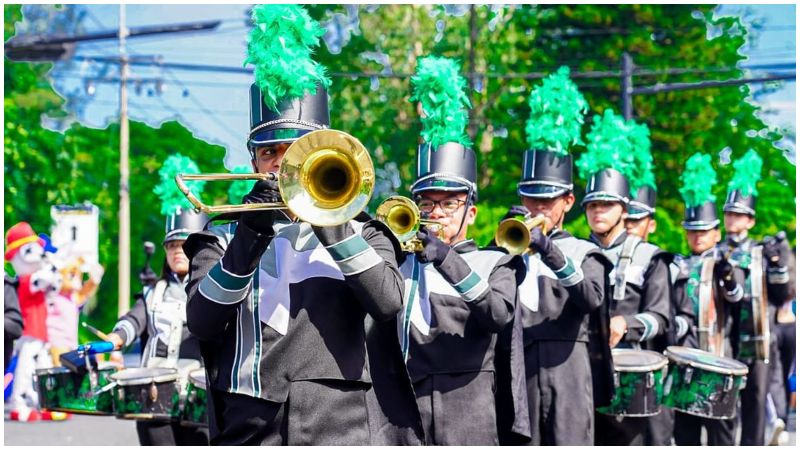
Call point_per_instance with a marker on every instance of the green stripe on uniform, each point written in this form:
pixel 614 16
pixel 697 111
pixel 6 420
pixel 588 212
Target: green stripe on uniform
pixel 348 248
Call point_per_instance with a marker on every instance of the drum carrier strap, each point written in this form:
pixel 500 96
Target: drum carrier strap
pixel 625 257
pixel 176 328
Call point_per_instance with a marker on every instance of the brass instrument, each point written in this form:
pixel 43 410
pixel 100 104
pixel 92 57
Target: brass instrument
pixel 402 216
pixel 326 178
pixel 515 234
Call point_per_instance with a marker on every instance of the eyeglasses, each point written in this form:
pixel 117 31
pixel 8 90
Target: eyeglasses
pixel 448 205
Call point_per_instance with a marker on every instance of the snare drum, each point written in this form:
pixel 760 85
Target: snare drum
pixel 61 389
pixel 147 394
pixel 703 384
pixel 194 407
pixel 638 382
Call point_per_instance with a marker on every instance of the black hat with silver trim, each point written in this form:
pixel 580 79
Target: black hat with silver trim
pixel 643 205
pixel 608 185
pixel 182 223
pixel 289 97
pixel 554 126
pixel 742 190
pixel 698 180
pixel 451 167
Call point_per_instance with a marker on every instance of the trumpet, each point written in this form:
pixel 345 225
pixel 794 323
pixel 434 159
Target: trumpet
pixel 515 234
pixel 402 216
pixel 325 178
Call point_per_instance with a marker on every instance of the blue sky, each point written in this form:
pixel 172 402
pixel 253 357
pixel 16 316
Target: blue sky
pixel 214 105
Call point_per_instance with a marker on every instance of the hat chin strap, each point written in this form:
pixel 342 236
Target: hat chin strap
pixel 464 216
pixel 612 228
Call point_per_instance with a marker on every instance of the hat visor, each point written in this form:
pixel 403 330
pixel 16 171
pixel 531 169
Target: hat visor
pixel 177 235
pixel 276 136
pixel 638 211
pixel 737 208
pixel 700 225
pixel 603 197
pixel 541 191
pixel 435 184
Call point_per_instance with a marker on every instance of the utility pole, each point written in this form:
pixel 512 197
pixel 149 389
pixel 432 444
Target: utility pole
pixel 473 39
pixel 124 292
pixel 626 86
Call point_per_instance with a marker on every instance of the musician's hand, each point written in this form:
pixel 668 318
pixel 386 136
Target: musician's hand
pixel 116 357
pixel 264 191
pixel 115 339
pixel 723 270
pixel 616 330
pixel 776 250
pixel 540 242
pixel 516 211
pixel 434 249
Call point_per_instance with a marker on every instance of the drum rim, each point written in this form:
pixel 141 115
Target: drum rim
pixel 663 361
pixel 671 353
pixel 168 376
pixel 52 371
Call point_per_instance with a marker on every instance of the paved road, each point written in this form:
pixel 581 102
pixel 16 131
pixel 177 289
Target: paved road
pixel 79 430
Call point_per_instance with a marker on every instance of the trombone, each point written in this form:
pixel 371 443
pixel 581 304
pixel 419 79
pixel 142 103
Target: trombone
pixel 402 216
pixel 326 178
pixel 514 234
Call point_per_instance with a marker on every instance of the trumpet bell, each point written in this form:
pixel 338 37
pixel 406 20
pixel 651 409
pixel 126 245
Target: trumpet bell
pixel 401 215
pixel 515 235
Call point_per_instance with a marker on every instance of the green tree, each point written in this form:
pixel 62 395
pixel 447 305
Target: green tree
pixel 524 39
pixel 44 168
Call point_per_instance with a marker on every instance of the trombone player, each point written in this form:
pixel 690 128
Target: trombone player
pixel 564 286
pixel 284 309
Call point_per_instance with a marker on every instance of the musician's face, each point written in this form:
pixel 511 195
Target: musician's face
pixel 700 241
pixel 176 258
pixel 448 210
pixel 604 216
pixel 736 223
pixel 269 157
pixel 641 227
pixel 553 209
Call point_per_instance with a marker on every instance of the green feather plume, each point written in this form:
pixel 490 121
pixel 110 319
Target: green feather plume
pixel 608 147
pixel 747 172
pixel 557 110
pixel 698 179
pixel 240 188
pixel 280 48
pixel 171 197
pixel 642 168
pixel 438 86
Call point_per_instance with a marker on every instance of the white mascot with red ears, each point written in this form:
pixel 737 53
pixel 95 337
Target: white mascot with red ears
pixel 25 252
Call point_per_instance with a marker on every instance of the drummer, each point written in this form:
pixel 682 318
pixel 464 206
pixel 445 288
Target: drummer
pixel 702 234
pixel 161 315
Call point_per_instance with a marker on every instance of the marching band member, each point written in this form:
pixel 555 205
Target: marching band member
pixel 639 304
pixel 160 314
pixel 702 234
pixel 458 298
pixel 564 287
pixel 285 310
pixel 740 217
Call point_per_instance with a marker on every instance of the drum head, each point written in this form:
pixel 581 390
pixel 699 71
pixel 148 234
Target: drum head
pixel 142 375
pixel 629 360
pixel 198 378
pixel 705 360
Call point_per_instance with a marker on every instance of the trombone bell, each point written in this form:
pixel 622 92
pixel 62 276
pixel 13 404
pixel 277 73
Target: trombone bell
pixel 325 178
pixel 515 234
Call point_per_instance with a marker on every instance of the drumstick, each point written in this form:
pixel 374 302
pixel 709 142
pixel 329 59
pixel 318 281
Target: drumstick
pixel 94 330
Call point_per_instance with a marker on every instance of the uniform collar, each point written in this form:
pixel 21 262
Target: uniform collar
pixel 465 246
pixel 559 234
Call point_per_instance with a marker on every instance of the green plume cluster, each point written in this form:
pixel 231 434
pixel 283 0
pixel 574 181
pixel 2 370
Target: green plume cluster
pixel 438 86
pixel 280 47
pixel 747 172
pixel 608 147
pixel 240 188
pixel 557 111
pixel 698 179
pixel 171 197
pixel 642 169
